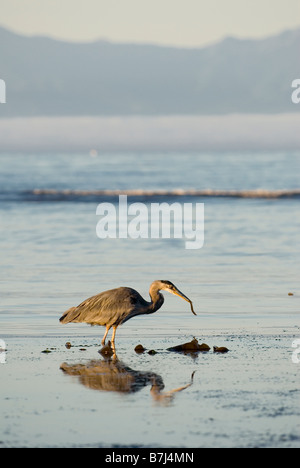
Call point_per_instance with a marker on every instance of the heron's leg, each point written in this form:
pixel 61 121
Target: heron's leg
pixel 113 335
pixel 105 335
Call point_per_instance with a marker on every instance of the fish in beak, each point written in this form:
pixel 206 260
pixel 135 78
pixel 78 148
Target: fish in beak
pixel 176 291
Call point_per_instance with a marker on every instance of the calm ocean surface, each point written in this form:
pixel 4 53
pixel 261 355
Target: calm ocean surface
pixel 239 282
pixel 52 259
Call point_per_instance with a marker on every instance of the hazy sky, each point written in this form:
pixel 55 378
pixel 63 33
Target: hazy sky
pixel 172 22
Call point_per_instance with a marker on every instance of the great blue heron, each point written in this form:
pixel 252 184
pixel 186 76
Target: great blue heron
pixel 114 307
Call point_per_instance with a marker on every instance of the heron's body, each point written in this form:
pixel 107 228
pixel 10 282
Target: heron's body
pixel 114 307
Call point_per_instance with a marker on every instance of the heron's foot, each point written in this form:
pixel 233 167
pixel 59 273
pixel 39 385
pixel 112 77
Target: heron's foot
pixel 107 351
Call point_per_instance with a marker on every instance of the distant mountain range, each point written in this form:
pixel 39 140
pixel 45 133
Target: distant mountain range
pixel 55 78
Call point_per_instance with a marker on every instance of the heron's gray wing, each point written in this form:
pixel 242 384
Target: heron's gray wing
pixel 109 307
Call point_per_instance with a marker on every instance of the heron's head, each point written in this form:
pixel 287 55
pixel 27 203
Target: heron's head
pixel 171 288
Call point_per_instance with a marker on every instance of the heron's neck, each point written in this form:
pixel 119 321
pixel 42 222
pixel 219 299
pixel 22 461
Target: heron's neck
pixel 157 300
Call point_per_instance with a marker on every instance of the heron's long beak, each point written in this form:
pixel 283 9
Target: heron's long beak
pixel 180 294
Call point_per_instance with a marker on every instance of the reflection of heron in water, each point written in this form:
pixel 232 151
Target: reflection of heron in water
pixel 114 307
pixel 166 397
pixel 115 376
pixel 111 376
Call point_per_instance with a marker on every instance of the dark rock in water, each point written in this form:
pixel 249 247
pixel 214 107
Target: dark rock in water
pixel 192 347
pixel 139 349
pixel 203 347
pixel 222 349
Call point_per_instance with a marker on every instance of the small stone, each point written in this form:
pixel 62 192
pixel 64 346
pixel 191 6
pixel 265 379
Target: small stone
pixel 139 349
pixel 221 349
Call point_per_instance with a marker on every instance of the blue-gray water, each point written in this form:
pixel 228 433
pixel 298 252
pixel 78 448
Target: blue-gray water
pixel 239 282
pixel 52 258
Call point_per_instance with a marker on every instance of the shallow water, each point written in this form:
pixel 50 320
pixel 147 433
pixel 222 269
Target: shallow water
pixel 248 397
pixel 239 282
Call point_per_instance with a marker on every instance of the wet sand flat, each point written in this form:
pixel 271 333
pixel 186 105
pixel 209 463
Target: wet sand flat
pixel 58 396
